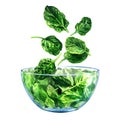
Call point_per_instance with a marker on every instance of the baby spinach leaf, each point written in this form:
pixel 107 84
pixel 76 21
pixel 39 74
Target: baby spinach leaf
pixel 28 80
pixel 84 26
pixel 51 91
pixel 78 78
pixel 78 103
pixel 38 92
pixel 55 19
pixel 49 103
pixel 61 81
pixel 75 46
pixel 51 44
pixel 69 97
pixel 66 73
pixel 44 82
pixel 45 66
pixel 76 58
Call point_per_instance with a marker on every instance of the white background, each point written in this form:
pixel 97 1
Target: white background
pixel 21 19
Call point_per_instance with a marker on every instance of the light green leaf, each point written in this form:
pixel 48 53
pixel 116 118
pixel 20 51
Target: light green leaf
pixel 51 91
pixel 39 92
pixel 78 78
pixel 49 103
pixel 68 97
pixel 28 80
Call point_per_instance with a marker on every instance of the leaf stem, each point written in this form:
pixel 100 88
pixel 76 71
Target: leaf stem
pixel 66 30
pixel 57 57
pixel 61 61
pixel 37 37
pixel 73 33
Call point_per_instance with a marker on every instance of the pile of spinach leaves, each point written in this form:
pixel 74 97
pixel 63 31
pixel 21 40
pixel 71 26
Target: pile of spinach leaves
pixel 64 89
pixel 60 91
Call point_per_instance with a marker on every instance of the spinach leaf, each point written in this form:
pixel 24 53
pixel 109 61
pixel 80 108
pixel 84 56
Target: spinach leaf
pixel 68 97
pixel 55 19
pixel 51 44
pixel 66 74
pixel 76 58
pixel 75 46
pixel 51 91
pixel 49 103
pixel 28 80
pixel 38 92
pixel 84 26
pixel 45 66
pixel 61 81
pixel 41 96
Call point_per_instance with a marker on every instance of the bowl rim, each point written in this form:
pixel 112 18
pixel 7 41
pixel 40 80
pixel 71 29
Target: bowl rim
pixel 82 67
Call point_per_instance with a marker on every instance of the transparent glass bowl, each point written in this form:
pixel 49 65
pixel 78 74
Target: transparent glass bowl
pixel 66 90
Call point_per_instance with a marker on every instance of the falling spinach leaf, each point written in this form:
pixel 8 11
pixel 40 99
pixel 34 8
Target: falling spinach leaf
pixel 76 50
pixel 55 19
pixel 75 46
pixel 84 26
pixel 51 44
pixel 76 58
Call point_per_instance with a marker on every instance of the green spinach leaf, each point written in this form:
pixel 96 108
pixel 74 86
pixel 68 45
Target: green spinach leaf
pixel 28 80
pixel 76 58
pixel 51 44
pixel 62 81
pixel 38 92
pixel 49 103
pixel 45 66
pixel 75 46
pixel 55 19
pixel 69 97
pixel 51 91
pixel 66 74
pixel 84 26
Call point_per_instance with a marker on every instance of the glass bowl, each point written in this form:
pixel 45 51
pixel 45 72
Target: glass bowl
pixel 66 90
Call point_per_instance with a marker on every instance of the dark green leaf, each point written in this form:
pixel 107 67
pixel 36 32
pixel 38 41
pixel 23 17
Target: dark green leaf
pixel 55 19
pixel 76 58
pixel 66 74
pixel 84 26
pixel 45 66
pixel 61 81
pixel 52 45
pixel 75 46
